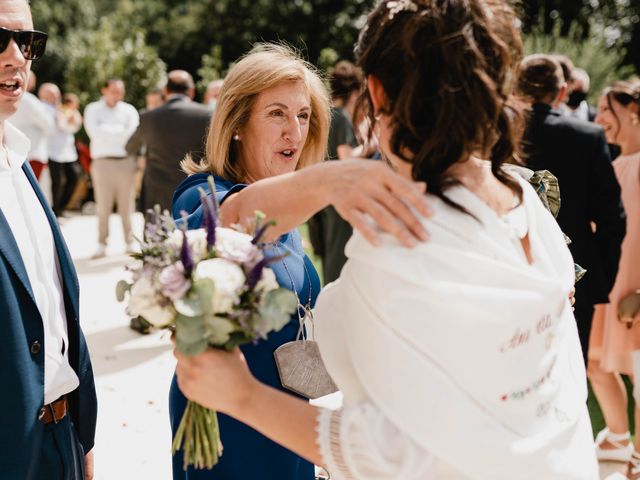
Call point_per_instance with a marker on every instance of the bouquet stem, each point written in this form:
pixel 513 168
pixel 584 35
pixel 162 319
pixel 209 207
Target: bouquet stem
pixel 198 436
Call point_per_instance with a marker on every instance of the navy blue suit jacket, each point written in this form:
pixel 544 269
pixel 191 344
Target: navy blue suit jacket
pixel 22 363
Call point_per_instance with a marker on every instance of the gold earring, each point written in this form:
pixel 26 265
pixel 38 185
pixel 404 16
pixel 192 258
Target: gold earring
pixel 634 119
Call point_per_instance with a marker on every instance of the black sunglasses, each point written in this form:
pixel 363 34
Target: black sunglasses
pixel 31 42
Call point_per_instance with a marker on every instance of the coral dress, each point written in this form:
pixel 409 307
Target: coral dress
pixel 611 341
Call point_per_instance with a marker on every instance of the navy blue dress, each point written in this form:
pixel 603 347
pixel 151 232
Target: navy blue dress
pixel 249 455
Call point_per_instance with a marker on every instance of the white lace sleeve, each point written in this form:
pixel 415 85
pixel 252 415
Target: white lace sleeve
pixel 358 442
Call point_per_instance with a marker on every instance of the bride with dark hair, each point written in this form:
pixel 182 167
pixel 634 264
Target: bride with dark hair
pixel 458 359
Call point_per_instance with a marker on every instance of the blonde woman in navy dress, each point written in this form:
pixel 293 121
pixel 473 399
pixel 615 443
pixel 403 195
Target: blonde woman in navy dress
pixel 271 125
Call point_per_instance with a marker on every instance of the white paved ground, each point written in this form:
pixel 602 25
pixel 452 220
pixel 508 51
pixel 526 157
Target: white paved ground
pixel 133 372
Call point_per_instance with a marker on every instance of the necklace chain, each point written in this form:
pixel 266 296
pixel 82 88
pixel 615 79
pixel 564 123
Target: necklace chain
pixel 307 306
pixel 304 311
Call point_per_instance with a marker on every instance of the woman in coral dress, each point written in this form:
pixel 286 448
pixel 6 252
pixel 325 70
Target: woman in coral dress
pixel 615 348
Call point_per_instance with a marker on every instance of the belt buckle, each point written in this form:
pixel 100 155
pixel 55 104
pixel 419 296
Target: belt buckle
pixel 53 414
pixel 51 407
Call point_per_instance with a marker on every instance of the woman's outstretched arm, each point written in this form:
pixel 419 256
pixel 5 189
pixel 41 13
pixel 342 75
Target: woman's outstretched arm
pixel 356 188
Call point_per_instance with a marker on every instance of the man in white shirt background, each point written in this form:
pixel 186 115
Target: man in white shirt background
pixel 109 123
pixel 34 120
pixel 48 407
pixel 63 156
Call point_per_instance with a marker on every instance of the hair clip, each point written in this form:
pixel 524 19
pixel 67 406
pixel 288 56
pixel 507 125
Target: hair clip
pixel 397 6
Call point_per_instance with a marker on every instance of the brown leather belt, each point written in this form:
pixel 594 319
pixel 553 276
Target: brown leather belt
pixel 54 412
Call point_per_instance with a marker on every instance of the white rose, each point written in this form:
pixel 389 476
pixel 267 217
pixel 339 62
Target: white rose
pixel 197 240
pixel 267 282
pixel 145 302
pixel 229 281
pixel 237 246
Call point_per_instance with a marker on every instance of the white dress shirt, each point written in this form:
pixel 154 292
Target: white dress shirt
pixel 110 128
pixel 62 141
pixel 34 119
pixel 582 112
pixel 32 233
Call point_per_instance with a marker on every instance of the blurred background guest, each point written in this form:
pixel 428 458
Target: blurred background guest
pixel 34 120
pixel 109 123
pixel 168 133
pixel 153 99
pixel 329 232
pixel 567 66
pixel 576 152
pixel 615 347
pixel 576 104
pixel 63 156
pixel 212 93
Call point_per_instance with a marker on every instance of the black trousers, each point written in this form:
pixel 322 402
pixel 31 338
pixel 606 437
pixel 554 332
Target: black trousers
pixel 64 177
pixel 61 456
pixel 584 318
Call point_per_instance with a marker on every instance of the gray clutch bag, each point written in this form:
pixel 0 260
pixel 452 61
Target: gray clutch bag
pixel 300 365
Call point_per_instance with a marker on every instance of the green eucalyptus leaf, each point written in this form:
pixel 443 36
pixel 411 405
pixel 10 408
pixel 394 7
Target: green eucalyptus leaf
pixel 190 306
pixel 204 289
pixel 270 320
pixel 122 287
pixel 280 299
pixel 190 329
pixel 218 330
pixel 276 308
pixel 236 339
pixel 193 348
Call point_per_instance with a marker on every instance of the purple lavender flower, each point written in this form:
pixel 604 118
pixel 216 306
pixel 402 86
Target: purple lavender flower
pixel 260 231
pixel 255 274
pixel 209 219
pixel 185 255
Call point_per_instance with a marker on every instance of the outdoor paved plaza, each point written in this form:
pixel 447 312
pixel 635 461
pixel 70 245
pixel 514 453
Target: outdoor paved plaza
pixel 133 372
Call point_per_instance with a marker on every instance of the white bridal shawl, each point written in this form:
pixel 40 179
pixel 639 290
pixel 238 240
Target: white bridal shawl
pixel 466 349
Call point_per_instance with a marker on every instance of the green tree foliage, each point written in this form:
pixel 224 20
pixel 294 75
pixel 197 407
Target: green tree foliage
pixel 59 19
pixel 206 36
pixel 212 67
pixel 603 61
pixel 616 23
pixel 328 58
pixel 94 57
pixel 185 31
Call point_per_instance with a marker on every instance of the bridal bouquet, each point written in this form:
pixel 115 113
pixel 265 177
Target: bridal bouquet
pixel 212 288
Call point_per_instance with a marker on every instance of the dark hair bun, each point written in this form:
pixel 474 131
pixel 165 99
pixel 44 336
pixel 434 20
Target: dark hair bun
pixel 447 68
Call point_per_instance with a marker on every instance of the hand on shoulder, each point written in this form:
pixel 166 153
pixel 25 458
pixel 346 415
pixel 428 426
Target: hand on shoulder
pixel 365 188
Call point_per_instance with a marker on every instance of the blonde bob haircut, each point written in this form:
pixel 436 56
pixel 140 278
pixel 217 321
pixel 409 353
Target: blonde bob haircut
pixel 265 66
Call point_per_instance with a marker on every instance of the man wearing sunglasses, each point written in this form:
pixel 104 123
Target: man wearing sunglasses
pixel 48 399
